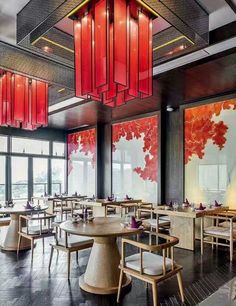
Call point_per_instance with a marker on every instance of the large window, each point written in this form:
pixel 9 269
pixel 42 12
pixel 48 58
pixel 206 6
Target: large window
pixel 58 176
pixel 58 149
pixel 19 175
pixel 30 146
pixel 81 162
pixel 40 176
pixel 2 178
pixel 3 143
pixel 135 158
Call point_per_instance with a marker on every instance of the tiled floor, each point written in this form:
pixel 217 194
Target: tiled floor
pixel 23 284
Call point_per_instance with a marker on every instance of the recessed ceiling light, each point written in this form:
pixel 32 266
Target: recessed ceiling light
pixel 47 49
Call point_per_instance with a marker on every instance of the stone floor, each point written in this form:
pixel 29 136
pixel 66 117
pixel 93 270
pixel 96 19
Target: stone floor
pixel 24 284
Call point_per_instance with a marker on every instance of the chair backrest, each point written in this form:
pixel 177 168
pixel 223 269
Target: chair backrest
pixel 42 220
pixel 166 248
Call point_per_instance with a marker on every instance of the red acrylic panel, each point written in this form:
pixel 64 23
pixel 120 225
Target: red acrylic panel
pixel 150 85
pixel 1 97
pixel 27 102
pixel 143 53
pixel 77 47
pixel 9 97
pixel 33 102
pixel 120 42
pixel 128 97
pixel 112 85
pixel 41 96
pixel 18 109
pixel 94 94
pixel 134 72
pixel 86 54
pixel 100 36
pixel 120 98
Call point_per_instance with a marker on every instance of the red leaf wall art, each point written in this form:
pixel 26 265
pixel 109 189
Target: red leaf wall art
pixel 200 127
pixel 146 128
pixel 83 141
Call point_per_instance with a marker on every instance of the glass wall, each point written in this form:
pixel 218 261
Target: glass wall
pixel 2 178
pixel 19 177
pixel 81 162
pixel 29 166
pixel 210 160
pixel 58 176
pixel 40 176
pixel 135 158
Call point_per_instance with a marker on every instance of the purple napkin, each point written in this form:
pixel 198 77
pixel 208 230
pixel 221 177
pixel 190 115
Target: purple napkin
pixel 201 207
pixel 170 204
pixel 217 204
pixel 134 223
pixel 127 197
pixel 186 201
pixel 28 205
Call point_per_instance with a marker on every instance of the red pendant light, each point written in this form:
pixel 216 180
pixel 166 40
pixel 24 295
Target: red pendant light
pixel 113 51
pixel 23 101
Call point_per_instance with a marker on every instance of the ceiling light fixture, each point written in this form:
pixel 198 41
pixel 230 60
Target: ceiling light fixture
pixel 23 101
pixel 113 51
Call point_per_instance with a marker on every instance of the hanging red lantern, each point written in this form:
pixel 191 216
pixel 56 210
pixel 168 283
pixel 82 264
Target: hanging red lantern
pixel 23 101
pixel 113 51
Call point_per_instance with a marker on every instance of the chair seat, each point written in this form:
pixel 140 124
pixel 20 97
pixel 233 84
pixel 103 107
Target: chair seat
pixel 59 209
pixel 166 218
pixel 74 241
pixel 35 230
pixel 152 263
pixel 227 224
pixel 219 231
pixel 153 222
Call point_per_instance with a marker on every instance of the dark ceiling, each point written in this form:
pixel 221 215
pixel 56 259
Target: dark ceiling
pixel 179 86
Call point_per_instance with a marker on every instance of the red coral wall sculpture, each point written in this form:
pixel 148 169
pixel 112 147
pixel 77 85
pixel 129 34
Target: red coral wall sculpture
pixel 146 128
pixel 200 127
pixel 85 142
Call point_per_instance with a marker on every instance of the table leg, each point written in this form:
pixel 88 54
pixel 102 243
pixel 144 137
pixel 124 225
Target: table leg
pixel 11 239
pixel 184 230
pixel 102 273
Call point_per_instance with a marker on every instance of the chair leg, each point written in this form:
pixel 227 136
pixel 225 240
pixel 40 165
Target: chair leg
pixel 154 294
pixel 231 249
pixel 43 245
pixel 77 257
pixel 18 245
pixel 32 249
pixel 68 267
pixel 120 285
pixel 51 255
pixel 180 283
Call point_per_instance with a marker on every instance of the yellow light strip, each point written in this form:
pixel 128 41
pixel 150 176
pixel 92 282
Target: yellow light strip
pixel 172 41
pixel 53 43
pixel 148 8
pixel 77 8
pixel 61 90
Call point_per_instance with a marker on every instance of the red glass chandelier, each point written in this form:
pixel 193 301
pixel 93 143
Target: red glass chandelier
pixel 23 101
pixel 113 51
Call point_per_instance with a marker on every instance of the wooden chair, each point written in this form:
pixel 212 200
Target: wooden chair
pixel 69 244
pixel 63 206
pixel 149 267
pixel 223 229
pixel 155 221
pixel 40 228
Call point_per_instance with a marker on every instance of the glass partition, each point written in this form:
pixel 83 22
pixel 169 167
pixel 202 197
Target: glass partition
pixel 81 162
pixel 135 158
pixel 210 160
pixel 3 143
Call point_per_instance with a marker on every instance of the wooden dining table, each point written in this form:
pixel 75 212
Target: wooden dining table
pixel 184 223
pixel 99 205
pixel 102 272
pixel 10 241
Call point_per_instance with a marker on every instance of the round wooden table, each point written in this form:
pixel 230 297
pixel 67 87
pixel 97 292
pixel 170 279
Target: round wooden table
pixel 102 272
pixel 11 240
